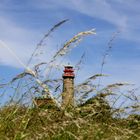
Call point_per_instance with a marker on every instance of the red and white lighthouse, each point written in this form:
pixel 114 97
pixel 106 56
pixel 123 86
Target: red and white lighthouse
pixel 68 87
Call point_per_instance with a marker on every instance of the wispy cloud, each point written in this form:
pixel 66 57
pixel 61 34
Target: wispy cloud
pixel 16 38
pixel 122 14
pixel 100 9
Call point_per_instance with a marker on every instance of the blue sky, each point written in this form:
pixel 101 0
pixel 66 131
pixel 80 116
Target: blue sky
pixel 24 22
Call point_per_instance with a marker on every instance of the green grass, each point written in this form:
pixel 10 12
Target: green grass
pixel 86 122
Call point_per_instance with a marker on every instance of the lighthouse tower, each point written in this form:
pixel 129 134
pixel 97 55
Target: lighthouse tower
pixel 68 87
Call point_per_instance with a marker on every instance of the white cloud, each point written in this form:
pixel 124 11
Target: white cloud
pixel 94 8
pixel 16 38
pixel 122 14
pixel 21 42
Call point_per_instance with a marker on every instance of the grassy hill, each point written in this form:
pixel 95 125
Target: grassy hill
pixel 91 121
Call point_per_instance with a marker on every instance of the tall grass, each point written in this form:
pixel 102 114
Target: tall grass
pixel 99 112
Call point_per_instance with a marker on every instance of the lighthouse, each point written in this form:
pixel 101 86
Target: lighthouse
pixel 68 87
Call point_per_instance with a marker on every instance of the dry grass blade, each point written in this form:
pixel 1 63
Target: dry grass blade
pixel 110 89
pixel 117 85
pixel 52 81
pixel 84 96
pixel 68 45
pixel 106 94
pixel 78 65
pixel 96 76
pixel 88 80
pixel 82 90
pixel 3 85
pixel 51 30
pixel 37 67
pixel 107 51
pixel 54 84
pixel 45 36
pixel 109 47
pixel 20 76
